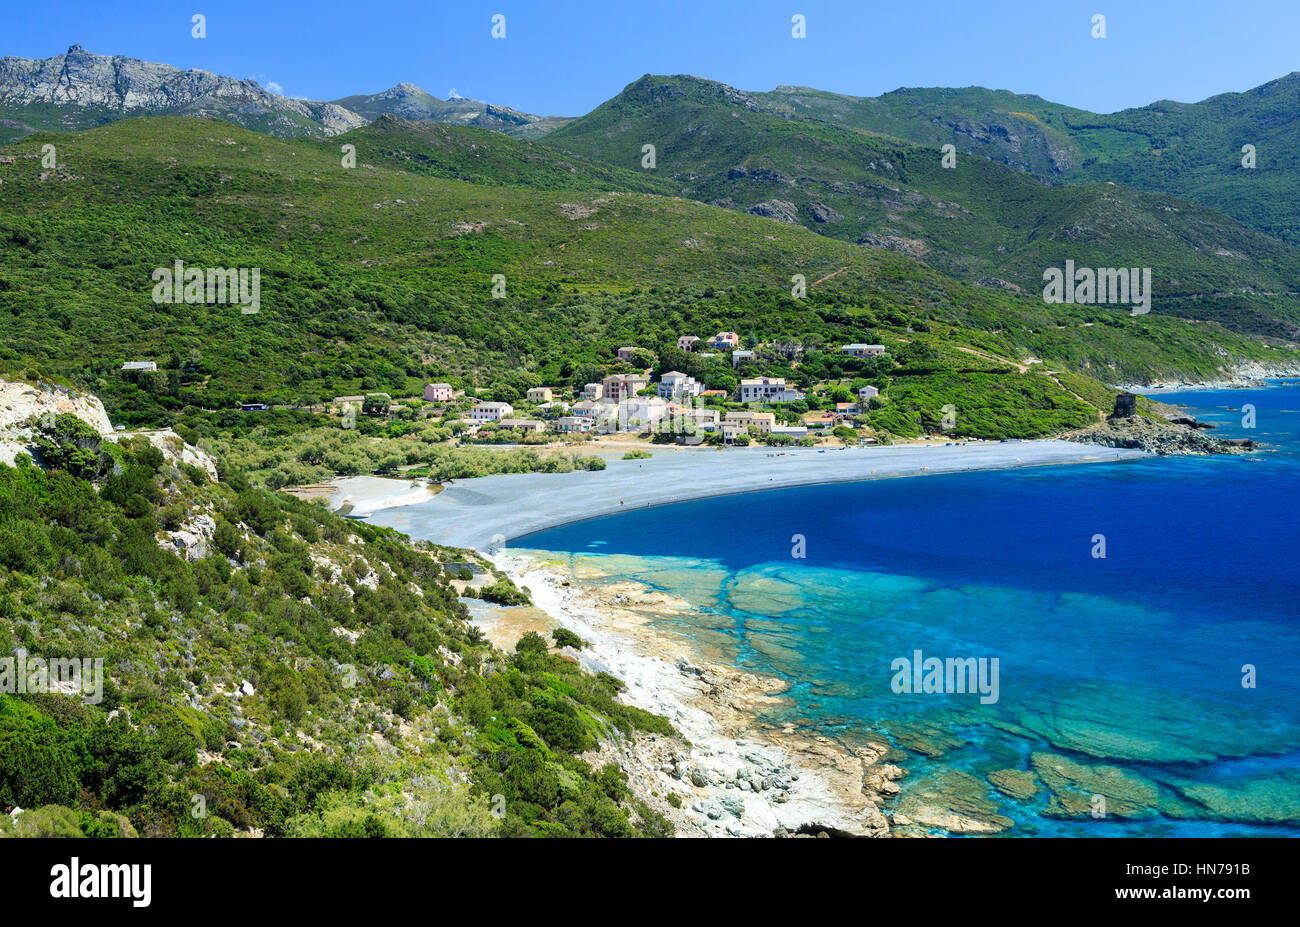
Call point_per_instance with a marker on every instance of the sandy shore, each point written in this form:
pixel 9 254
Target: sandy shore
pixel 366 495
pixel 489 511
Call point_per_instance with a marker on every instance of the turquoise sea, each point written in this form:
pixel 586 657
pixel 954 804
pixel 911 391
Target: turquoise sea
pixel 1153 691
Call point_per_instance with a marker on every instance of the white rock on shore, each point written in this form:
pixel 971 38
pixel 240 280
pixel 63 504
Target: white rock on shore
pixel 736 778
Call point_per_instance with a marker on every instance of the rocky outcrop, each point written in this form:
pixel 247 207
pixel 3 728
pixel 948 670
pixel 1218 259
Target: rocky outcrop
pixel 912 247
pixel 174 449
pixel 21 403
pixel 103 84
pixel 1164 438
pixel 821 213
pixel 781 210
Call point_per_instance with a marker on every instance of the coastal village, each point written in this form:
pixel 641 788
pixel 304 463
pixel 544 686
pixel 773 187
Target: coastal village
pixel 673 407
pixel 631 401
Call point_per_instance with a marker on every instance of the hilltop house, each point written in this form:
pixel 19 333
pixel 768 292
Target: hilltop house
pixel 620 386
pixel 767 389
pixel 593 391
pixel 737 357
pixel 540 394
pixel 491 412
pixel 725 340
pixel 625 354
pixel 437 392
pixel 866 393
pixel 678 386
pixel 140 366
pixel 863 350
pixel 687 342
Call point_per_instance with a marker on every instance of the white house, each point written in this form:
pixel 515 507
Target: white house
pixel 149 366
pixel 639 413
pixel 491 412
pixel 767 389
pixel 679 386
pixel 737 357
pixel 573 423
pixel 863 350
pixel 866 393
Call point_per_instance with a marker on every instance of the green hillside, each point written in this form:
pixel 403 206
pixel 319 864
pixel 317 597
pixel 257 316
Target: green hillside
pixel 372 707
pixel 979 220
pixel 481 156
pixel 380 278
pixel 1189 150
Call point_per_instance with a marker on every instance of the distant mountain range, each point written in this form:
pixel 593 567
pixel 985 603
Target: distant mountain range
pixel 80 90
pixel 1036 184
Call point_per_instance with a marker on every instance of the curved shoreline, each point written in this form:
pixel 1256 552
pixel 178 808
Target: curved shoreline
pixel 491 511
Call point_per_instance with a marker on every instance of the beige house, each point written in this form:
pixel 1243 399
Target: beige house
pixel 760 421
pixel 593 391
pixel 687 342
pixel 541 394
pixel 523 424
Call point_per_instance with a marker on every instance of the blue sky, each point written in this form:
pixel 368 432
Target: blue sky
pixel 566 56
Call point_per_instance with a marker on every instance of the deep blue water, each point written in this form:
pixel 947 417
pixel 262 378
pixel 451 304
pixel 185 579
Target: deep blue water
pixel 1131 664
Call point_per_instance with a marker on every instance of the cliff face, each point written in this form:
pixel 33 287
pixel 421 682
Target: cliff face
pixel 22 402
pixel 94 86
